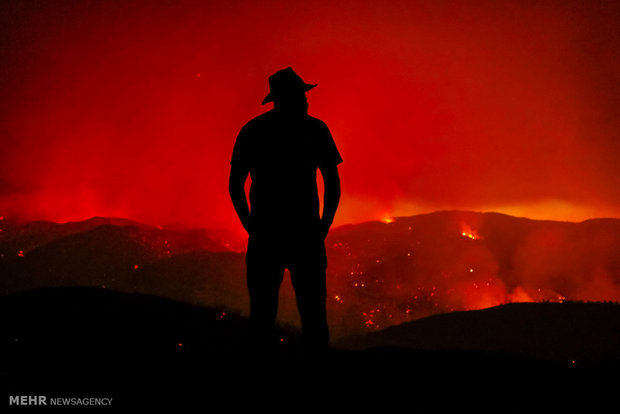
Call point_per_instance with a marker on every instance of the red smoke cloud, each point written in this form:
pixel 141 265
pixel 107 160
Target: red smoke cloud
pixel 131 108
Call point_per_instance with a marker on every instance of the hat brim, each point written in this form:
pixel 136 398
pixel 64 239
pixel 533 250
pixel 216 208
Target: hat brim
pixel 270 96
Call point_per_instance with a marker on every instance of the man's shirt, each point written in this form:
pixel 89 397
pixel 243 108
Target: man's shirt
pixel 282 155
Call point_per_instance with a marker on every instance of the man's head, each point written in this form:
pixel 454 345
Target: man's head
pixel 288 91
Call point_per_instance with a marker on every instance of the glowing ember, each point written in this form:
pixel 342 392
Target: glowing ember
pixel 371 324
pixel 136 267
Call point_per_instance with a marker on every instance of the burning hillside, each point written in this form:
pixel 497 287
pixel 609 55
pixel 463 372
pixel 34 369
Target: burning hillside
pixel 447 261
pixel 380 273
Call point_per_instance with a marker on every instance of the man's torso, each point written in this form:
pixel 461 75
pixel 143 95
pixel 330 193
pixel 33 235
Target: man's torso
pixel 283 156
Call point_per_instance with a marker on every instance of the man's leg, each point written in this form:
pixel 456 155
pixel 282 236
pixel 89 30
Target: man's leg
pixel 264 277
pixel 309 282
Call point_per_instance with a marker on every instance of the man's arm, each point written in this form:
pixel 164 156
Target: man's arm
pixel 236 188
pixel 331 181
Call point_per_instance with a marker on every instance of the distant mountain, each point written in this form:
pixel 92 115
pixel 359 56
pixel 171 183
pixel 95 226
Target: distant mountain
pixel 123 255
pixel 126 257
pixel 379 274
pixel 95 256
pixel 24 237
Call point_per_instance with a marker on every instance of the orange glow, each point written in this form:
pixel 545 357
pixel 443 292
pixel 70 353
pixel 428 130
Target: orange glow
pixel 417 99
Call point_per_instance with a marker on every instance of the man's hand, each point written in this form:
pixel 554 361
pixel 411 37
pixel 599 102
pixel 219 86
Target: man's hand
pixel 247 225
pixel 324 228
pixel 238 175
pixel 331 197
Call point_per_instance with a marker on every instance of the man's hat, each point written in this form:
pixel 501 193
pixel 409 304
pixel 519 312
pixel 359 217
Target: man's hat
pixel 283 82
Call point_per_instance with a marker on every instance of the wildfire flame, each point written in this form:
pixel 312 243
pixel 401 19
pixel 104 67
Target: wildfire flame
pixel 467 231
pixel 387 218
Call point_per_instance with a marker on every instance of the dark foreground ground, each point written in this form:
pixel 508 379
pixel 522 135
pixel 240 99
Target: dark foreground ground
pixel 148 352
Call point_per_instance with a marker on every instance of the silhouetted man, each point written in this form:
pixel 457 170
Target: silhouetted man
pixel 281 150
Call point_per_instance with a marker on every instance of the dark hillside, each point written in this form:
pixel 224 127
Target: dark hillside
pixel 148 352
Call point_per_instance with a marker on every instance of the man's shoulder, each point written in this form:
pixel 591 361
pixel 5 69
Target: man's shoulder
pixel 269 118
pixel 318 125
pixel 317 122
pixel 259 121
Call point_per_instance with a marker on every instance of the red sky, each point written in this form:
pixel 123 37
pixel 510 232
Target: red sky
pixel 131 108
